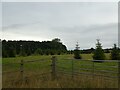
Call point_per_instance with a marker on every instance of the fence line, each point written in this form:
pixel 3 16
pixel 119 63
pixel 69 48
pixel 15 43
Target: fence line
pixel 92 70
pixel 85 73
pixel 10 71
pixel 93 60
pixel 55 68
pixel 35 61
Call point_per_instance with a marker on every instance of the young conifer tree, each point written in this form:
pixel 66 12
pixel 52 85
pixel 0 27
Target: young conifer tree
pixel 99 53
pixel 77 52
pixel 115 53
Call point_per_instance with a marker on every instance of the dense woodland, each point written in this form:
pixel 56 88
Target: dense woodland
pixel 26 48
pixel 54 47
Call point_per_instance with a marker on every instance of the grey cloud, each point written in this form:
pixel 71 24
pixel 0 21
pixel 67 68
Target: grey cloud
pixel 18 26
pixel 108 28
pixel 71 22
pixel 94 28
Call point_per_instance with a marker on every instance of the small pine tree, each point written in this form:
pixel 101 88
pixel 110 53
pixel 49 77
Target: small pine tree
pixel 115 53
pixel 77 52
pixel 99 53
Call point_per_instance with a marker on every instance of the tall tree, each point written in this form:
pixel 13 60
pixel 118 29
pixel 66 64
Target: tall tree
pixel 115 53
pixel 77 52
pixel 98 53
pixel 56 40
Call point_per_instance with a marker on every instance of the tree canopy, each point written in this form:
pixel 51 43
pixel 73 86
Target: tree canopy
pixel 12 48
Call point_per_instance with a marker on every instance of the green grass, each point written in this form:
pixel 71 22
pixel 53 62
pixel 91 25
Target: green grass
pixel 63 63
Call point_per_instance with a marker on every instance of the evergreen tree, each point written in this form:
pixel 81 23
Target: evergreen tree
pixel 77 52
pixel 115 53
pixel 98 53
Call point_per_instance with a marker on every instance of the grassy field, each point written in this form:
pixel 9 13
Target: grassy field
pixel 69 72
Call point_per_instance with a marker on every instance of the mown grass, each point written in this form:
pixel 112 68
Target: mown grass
pixel 66 64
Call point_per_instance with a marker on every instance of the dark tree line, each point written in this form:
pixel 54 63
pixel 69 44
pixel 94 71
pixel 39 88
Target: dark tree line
pixel 25 48
pixel 55 47
pixel 89 51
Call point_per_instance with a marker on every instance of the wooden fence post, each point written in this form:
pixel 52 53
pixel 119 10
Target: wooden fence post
pixel 118 74
pixel 22 69
pixel 53 73
pixel 72 69
pixel 93 66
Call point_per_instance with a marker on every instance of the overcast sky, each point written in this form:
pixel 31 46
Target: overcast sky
pixel 82 22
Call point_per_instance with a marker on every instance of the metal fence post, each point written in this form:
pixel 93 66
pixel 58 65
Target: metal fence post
pixel 53 73
pixel 22 69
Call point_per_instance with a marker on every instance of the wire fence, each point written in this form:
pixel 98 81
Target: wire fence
pixel 92 69
pixel 92 66
pixel 23 70
pixel 104 69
